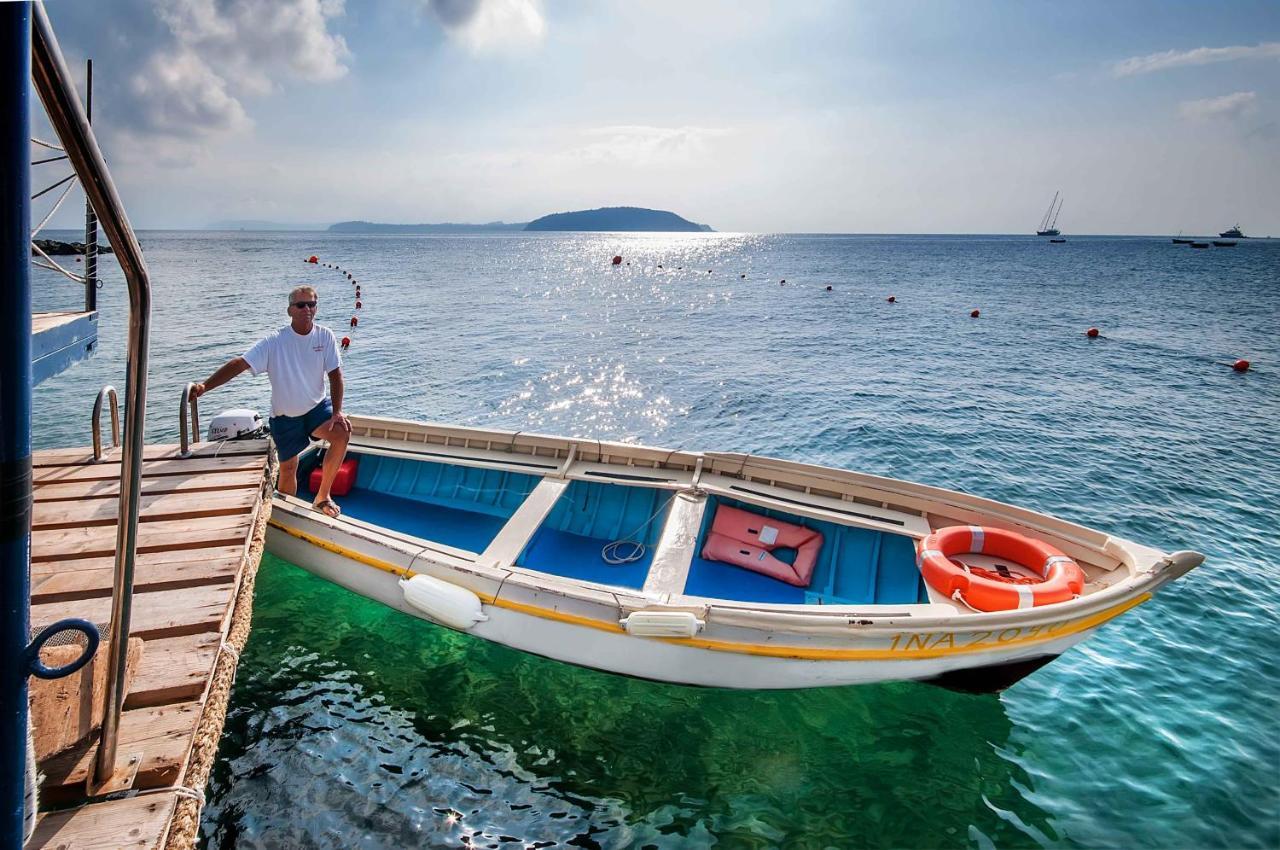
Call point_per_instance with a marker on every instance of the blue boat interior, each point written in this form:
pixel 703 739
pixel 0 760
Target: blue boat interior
pixel 856 566
pixel 460 506
pixel 587 518
pixel 465 507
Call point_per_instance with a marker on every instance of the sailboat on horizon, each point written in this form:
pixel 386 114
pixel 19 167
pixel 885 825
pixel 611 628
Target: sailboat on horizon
pixel 1049 224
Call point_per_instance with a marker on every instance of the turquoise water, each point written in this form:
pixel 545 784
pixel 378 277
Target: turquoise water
pixel 355 726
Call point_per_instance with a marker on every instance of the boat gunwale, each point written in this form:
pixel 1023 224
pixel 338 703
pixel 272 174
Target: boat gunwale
pixel 920 498
pixel 832 620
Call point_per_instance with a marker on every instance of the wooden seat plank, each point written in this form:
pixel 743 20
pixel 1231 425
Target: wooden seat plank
pixel 137 823
pixel 96 541
pixel 190 482
pixel 62 581
pixel 163 613
pixel 67 457
pixel 162 734
pixel 106 471
pixel 162 506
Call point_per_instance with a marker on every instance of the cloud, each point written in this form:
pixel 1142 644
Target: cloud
pixel 1187 58
pixel 180 95
pixel 487 26
pixel 1227 106
pixel 641 145
pixel 249 40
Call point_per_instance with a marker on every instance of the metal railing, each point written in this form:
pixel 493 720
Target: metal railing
pixel 106 393
pixel 54 85
pixel 188 405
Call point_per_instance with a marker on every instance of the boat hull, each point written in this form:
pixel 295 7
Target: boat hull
pixel 972 660
pixel 512 538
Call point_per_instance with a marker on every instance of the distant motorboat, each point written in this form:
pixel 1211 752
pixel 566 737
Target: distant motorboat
pixel 1056 241
pixel 1218 244
pixel 1199 244
pixel 1049 224
pixel 1233 233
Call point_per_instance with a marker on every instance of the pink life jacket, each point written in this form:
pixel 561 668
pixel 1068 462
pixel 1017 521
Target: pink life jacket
pixel 747 540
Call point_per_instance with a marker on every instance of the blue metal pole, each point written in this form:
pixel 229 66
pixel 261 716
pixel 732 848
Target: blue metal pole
pixel 15 410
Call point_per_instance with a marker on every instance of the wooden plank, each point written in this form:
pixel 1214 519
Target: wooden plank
pixel 174 669
pixel 151 508
pixel 106 471
pixel 68 457
pixel 62 581
pixel 162 734
pixel 191 482
pixel 137 823
pixel 162 614
pixel 163 535
pixel 65 711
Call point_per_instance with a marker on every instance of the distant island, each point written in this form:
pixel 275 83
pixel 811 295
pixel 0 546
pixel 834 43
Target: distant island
pixel 618 218
pixel 374 227
pixel 634 219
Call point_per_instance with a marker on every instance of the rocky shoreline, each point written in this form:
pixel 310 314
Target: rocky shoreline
pixel 53 247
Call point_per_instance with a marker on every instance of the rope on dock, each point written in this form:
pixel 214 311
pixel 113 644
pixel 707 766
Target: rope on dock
pixel 185 826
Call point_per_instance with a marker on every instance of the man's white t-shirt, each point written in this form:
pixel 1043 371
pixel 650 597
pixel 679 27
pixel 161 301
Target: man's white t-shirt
pixel 296 365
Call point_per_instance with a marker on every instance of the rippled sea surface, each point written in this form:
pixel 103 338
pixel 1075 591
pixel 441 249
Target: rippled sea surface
pixel 354 726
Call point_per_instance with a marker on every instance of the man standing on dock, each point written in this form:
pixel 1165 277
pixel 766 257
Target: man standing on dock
pixel 296 359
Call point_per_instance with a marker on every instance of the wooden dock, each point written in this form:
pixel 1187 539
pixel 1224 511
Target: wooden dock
pixel 201 526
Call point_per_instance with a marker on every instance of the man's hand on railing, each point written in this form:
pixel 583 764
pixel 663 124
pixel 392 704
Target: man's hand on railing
pixel 197 390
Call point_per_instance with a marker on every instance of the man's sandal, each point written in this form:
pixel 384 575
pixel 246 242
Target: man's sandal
pixel 328 507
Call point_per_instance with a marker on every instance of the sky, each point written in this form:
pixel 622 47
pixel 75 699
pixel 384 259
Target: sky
pixel 829 116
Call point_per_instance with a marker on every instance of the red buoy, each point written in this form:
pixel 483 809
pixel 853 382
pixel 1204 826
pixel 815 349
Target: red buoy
pixel 313 259
pixel 354 321
pixel 975 314
pixel 358 305
pixel 346 341
pixel 1091 333
pixel 617 260
pixel 1241 365
pixel 892 299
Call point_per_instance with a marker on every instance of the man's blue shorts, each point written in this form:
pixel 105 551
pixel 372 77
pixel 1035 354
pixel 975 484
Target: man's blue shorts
pixel 293 433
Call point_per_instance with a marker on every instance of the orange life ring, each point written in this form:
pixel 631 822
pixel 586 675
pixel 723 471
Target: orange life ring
pixel 1061 578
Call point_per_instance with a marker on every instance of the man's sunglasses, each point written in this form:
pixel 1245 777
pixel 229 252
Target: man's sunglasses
pixel 301 304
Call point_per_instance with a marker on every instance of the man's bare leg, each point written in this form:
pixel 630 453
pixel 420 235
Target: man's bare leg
pixel 287 482
pixel 338 439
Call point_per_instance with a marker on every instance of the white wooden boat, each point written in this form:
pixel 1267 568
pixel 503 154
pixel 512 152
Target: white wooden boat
pixel 501 535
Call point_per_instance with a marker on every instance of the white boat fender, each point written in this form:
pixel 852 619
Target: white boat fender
pixel 662 624
pixel 445 603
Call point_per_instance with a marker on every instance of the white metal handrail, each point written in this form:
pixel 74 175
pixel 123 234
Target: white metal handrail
pixel 188 405
pixel 53 83
pixel 106 393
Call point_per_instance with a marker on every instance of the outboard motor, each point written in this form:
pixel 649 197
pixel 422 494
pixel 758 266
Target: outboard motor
pixel 238 424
